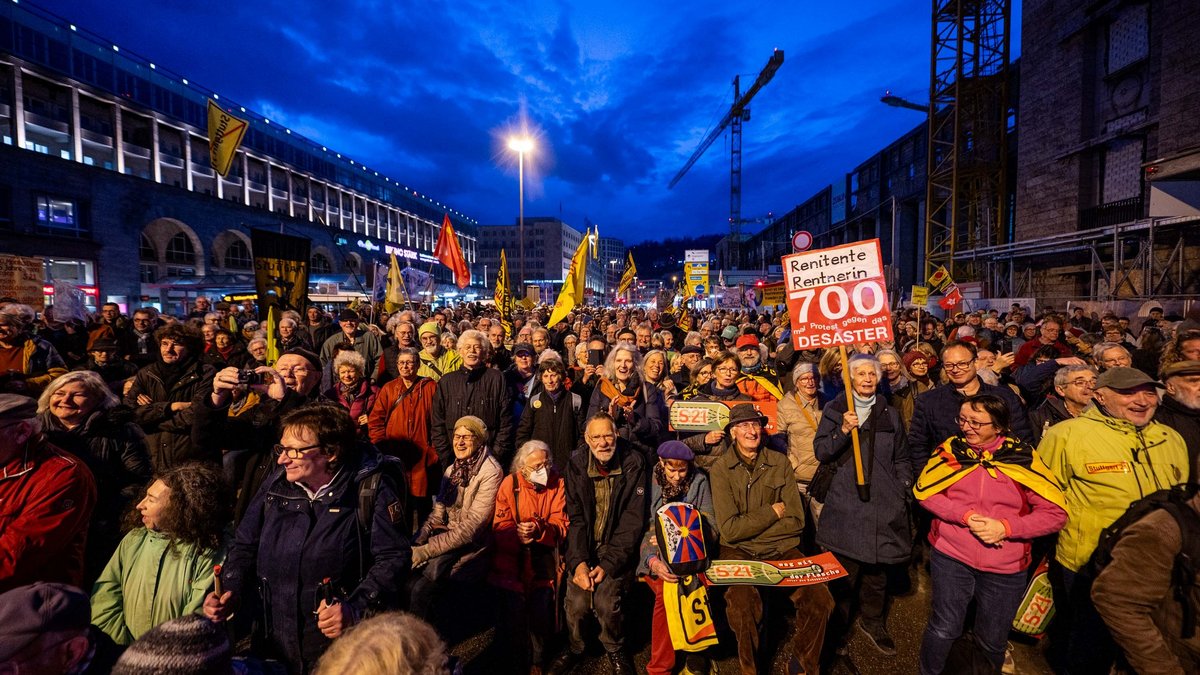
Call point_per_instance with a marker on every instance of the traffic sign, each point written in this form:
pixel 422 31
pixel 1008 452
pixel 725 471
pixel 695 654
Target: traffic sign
pixel 802 241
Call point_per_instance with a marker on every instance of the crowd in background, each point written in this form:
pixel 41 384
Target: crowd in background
pixel 425 458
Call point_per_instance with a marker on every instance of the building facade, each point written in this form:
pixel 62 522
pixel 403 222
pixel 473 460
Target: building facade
pixel 105 175
pixel 549 245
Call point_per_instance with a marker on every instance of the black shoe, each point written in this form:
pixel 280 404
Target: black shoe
pixel 878 636
pixel 565 663
pixel 620 663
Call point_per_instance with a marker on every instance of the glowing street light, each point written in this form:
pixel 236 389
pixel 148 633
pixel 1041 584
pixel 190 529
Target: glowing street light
pixel 521 145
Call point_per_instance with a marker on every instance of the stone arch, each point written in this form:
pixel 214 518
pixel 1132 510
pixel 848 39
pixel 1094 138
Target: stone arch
pixel 160 231
pixel 324 252
pixel 220 246
pixel 354 263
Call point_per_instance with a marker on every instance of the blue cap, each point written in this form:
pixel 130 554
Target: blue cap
pixel 676 450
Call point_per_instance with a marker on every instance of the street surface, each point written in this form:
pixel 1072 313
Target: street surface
pixel 906 623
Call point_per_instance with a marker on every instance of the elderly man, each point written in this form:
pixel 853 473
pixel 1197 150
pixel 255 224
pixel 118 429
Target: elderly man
pixel 1180 408
pixel 681 367
pixel 1049 332
pixel 436 361
pixel 1111 455
pixel 501 358
pixel 45 629
pixel 1111 355
pixel 27 362
pixel 46 502
pixel 760 518
pixel 1074 388
pixel 142 350
pixel 162 395
pixel 606 508
pixel 474 389
pixel 364 342
pixel 751 362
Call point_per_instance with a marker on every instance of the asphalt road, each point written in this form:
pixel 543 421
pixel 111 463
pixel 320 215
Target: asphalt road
pixel 909 613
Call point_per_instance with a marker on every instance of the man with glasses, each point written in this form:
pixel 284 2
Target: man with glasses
pixel 1049 333
pixel 606 506
pixel 1111 355
pixel 1106 458
pixel 935 410
pixel 142 349
pixel 46 501
pixel 436 361
pixel 1074 389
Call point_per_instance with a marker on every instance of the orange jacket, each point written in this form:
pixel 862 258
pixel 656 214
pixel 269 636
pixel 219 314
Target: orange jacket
pixel 511 570
pixel 399 426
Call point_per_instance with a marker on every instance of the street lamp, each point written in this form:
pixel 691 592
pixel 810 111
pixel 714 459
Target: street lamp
pixel 521 145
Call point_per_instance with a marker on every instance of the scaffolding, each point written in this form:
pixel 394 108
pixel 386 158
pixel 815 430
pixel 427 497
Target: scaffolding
pixel 968 124
pixel 1137 260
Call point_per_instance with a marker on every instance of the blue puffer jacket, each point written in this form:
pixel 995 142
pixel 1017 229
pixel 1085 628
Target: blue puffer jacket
pixel 287 544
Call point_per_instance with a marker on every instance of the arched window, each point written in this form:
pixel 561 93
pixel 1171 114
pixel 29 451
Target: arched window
pixel 180 251
pixel 320 264
pixel 237 256
pixel 146 250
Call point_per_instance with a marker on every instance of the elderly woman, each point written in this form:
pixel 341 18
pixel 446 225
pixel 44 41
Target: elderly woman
pixel 675 479
pixel 27 362
pixel 453 543
pixel 727 384
pixel 225 351
pixel 871 537
pixel 316 565
pixel 902 388
pixel 529 526
pixel 164 567
pixel 990 496
pixel 654 371
pixel 635 406
pixel 798 416
pixel 399 425
pixel 352 390
pixel 387 644
pixel 701 373
pixel 554 415
pixel 81 415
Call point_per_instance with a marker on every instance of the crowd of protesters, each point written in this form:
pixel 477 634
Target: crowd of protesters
pixel 337 507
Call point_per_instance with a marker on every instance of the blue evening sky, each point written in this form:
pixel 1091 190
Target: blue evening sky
pixel 618 93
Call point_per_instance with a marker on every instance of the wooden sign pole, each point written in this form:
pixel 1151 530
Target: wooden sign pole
pixel 860 477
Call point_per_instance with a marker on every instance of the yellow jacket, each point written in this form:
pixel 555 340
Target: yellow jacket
pixel 1104 464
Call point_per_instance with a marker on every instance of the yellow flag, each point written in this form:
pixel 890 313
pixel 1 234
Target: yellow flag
pixel 595 241
pixel 393 299
pixel 233 327
pixel 225 133
pixel 628 275
pixel 572 290
pixel 272 340
pixel 504 296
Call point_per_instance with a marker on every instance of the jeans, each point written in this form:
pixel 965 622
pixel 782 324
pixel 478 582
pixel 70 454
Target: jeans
pixel 955 584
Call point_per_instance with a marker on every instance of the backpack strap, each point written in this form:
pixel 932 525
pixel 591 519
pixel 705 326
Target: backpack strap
pixel 1187 561
pixel 368 491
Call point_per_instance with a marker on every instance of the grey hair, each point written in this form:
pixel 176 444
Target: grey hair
pixel 90 380
pixel 1103 347
pixel 485 347
pixel 288 320
pixel 350 358
pixel 693 338
pixel 257 339
pixel 867 358
pixel 626 346
pixel 805 367
pixel 1063 375
pixel 212 315
pixel 526 449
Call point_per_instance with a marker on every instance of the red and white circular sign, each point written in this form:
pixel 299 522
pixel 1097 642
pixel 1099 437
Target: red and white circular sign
pixel 801 241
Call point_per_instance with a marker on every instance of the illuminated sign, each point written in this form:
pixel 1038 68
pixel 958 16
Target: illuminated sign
pixel 368 245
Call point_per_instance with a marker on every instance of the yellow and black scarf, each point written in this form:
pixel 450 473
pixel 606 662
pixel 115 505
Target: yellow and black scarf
pixel 954 460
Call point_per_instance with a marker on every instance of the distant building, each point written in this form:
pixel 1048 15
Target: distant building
pixel 105 175
pixel 549 244
pixel 612 261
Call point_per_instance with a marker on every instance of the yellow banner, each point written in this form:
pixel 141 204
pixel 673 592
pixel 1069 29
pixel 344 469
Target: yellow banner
pixel 504 296
pixel 393 299
pixel 573 287
pixel 940 278
pixel 272 339
pixel 628 275
pixel 920 295
pixel 225 133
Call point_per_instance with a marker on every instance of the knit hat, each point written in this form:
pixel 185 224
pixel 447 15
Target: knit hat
pixel 29 611
pixel 429 327
pixel 189 644
pixel 474 425
pixel 911 357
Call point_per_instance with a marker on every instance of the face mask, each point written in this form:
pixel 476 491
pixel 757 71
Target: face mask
pixel 540 477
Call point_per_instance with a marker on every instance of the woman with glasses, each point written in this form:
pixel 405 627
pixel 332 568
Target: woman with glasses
pixel 990 496
pixel 871 537
pixel 303 563
pixel 798 417
pixel 728 383
pixel 635 405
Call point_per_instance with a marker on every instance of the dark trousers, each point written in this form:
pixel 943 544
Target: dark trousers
pixel 527 626
pixel 863 593
pixel 605 604
pixel 744 610
pixel 996 596
pixel 426 584
pixel 1090 647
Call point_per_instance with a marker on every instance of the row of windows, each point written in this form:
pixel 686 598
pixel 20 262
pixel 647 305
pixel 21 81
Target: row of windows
pixel 180 257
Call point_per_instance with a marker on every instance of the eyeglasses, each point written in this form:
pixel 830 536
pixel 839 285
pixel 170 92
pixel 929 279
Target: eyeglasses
pixel 972 424
pixel 1089 384
pixel 727 370
pixel 293 453
pixel 964 365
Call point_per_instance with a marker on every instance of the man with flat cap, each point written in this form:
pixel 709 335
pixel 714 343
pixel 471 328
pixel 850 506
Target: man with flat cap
pixel 760 517
pixel 46 501
pixel 45 629
pixel 1111 455
pixel 1180 408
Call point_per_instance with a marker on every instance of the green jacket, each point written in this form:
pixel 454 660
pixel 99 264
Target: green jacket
pixel 742 498
pixel 1105 464
pixel 146 583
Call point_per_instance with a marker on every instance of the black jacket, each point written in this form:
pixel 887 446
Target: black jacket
pixel 480 392
pixel 934 418
pixel 1046 415
pixel 617 549
pixel 558 424
pixel 168 432
pixel 1186 421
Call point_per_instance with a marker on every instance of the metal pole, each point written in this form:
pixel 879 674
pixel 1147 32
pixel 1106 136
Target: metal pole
pixel 521 216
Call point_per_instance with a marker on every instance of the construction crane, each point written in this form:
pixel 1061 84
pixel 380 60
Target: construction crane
pixel 738 113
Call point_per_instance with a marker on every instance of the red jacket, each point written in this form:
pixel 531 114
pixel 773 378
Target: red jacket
pixel 399 426
pixel 510 569
pixel 46 501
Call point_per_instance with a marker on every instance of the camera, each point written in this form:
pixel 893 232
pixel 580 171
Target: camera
pixel 247 376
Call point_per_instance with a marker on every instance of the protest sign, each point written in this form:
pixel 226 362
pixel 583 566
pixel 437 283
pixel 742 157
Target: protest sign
pixel 837 296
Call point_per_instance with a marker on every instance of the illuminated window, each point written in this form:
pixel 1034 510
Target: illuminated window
pixel 59 216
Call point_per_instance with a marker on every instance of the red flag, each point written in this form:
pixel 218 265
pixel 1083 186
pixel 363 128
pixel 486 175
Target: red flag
pixel 952 299
pixel 450 254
